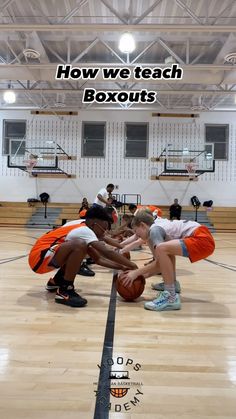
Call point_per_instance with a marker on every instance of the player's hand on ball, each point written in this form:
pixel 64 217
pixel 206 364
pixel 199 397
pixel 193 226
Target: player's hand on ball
pixel 130 277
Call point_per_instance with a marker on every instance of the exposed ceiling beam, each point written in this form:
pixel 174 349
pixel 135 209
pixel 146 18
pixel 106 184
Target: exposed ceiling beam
pixel 34 85
pixel 135 108
pixel 38 6
pixel 13 52
pixel 196 59
pixel 160 92
pixel 218 102
pixel 96 40
pixel 55 53
pixel 27 93
pixel 34 41
pixel 187 51
pixel 28 27
pixel 161 104
pixel 227 47
pixel 5 5
pixel 144 51
pixel 170 51
pixel 19 56
pixel 188 11
pixel 114 12
pixel 73 12
pixel 131 11
pixel 147 11
pixel 112 37
pixel 190 67
pixel 68 60
pixel 229 5
pixel 112 51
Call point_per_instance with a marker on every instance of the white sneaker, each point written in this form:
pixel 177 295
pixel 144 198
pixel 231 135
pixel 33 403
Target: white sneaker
pixel 163 302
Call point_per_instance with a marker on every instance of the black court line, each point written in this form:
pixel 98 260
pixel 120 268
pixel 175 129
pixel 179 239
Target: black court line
pixel 222 265
pixel 12 259
pixel 103 389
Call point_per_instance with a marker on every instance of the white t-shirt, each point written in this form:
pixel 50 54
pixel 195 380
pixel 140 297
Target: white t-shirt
pixel 104 194
pixel 176 229
pixel 85 233
pixel 71 223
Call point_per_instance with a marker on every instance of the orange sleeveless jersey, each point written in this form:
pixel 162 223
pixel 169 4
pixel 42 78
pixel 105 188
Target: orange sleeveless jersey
pixel 44 243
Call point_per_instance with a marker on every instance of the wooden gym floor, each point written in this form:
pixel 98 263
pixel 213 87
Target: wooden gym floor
pixel 180 364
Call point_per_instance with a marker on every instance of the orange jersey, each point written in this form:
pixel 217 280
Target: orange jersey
pixel 47 241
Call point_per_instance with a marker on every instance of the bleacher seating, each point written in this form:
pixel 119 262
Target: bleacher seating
pixel 223 219
pixel 15 213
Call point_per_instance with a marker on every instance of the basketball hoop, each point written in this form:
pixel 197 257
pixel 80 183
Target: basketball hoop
pixel 31 163
pixel 191 169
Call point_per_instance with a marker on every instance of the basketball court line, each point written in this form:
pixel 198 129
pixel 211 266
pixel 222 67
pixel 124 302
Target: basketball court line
pixel 222 265
pixel 9 241
pixel 103 389
pixel 8 260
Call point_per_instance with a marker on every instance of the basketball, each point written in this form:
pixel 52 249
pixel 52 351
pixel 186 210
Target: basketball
pixel 130 292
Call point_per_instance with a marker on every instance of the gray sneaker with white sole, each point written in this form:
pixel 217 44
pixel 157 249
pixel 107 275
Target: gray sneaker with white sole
pixel 160 287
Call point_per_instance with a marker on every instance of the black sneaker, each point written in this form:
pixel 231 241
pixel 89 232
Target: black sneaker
pixel 52 285
pixel 89 261
pixel 69 297
pixel 85 270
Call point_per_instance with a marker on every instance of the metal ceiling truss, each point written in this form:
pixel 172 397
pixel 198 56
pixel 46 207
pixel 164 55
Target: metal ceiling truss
pixel 160 91
pixel 231 4
pixel 114 11
pixel 44 38
pixel 90 46
pixel 116 27
pixel 147 12
pixel 68 17
pixel 189 12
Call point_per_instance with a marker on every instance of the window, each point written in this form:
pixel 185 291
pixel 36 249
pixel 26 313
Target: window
pixel 218 136
pixel 93 139
pixel 13 129
pixel 136 144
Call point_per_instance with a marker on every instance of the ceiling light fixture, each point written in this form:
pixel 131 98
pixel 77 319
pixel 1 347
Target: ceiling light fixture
pixel 9 96
pixel 31 53
pixel 127 43
pixel 230 58
pixel 170 60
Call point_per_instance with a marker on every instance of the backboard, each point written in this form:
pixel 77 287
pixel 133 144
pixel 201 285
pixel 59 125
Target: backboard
pixel 32 154
pixel 188 161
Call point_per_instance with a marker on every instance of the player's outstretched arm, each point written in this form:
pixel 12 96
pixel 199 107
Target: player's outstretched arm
pixel 100 260
pixel 112 256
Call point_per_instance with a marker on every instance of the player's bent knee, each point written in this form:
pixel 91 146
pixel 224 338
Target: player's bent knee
pixel 78 244
pixel 161 248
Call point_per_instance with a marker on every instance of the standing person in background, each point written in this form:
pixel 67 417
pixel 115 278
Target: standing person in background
pixel 111 211
pixel 133 208
pixel 175 210
pixel 101 199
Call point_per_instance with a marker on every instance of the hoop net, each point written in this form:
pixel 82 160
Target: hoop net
pixel 30 163
pixel 191 169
